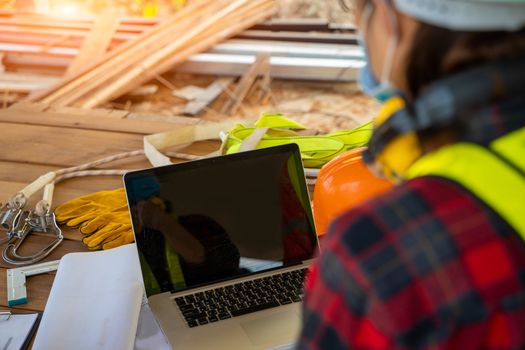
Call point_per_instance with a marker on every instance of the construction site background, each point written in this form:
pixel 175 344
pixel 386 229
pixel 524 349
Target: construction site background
pixel 325 106
pixel 325 9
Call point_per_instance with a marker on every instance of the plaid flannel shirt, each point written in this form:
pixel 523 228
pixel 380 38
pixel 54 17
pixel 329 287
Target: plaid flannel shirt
pixel 426 266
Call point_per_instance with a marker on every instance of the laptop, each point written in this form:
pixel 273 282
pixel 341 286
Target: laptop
pixel 224 244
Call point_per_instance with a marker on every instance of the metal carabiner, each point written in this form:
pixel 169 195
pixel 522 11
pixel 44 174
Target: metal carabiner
pixel 9 219
pixel 32 223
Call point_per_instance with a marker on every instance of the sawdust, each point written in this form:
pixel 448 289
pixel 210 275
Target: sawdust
pixel 322 106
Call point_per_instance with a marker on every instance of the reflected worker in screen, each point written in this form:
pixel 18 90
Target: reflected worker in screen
pixel 192 249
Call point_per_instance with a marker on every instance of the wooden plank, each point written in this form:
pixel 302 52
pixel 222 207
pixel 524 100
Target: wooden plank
pixel 25 83
pixel 173 119
pixel 265 88
pixel 62 146
pixel 22 49
pixel 24 77
pixel 11 32
pixel 37 64
pixel 46 40
pixel 38 22
pixel 86 122
pixel 96 43
pixel 29 106
pixel 260 67
pixel 207 97
pixel 96 112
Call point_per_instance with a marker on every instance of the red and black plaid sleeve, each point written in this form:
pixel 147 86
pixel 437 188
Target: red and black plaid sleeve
pixel 426 266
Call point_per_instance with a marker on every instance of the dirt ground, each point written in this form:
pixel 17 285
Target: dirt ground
pixel 322 106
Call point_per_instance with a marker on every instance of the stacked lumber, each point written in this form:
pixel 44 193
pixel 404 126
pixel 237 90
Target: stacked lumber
pixel 300 49
pixel 192 30
pixel 24 83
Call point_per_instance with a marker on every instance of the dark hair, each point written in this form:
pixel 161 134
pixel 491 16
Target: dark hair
pixel 437 52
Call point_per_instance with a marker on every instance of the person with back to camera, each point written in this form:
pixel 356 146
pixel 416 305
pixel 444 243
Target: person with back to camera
pixel 437 262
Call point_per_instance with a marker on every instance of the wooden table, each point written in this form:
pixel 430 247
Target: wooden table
pixel 37 139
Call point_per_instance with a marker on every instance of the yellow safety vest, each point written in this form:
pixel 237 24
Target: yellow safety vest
pixel 494 174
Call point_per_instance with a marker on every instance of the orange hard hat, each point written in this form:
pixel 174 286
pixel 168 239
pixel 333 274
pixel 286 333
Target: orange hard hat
pixel 344 183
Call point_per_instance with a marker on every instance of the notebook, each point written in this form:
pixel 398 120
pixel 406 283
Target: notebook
pixel 94 302
pixel 16 330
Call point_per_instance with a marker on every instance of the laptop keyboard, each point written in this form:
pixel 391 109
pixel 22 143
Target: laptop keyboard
pixel 242 298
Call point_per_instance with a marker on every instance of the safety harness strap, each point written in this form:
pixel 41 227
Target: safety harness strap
pixel 270 130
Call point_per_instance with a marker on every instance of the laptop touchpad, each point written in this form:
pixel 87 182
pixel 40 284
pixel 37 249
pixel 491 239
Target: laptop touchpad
pixel 274 328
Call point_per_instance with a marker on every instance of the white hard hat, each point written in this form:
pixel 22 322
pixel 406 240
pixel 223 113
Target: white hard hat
pixel 468 15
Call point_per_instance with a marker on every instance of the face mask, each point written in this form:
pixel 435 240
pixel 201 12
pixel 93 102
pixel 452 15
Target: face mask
pixel 381 89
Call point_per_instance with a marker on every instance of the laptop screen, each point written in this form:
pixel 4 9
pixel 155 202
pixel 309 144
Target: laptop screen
pixel 220 218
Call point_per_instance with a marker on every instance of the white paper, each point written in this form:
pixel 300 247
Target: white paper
pixel 94 302
pixel 15 330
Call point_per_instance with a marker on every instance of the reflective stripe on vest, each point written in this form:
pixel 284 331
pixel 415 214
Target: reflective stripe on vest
pixel 482 172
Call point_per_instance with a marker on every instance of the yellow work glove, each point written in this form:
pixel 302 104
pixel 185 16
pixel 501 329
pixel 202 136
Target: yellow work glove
pixel 102 217
pixel 108 230
pixel 84 209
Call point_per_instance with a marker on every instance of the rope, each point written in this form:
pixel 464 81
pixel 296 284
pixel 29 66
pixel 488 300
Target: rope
pixel 112 172
pixel 96 163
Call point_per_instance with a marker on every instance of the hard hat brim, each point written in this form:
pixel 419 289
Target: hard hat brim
pixel 466 15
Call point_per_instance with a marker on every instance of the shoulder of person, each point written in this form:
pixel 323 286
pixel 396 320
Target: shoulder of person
pixel 387 217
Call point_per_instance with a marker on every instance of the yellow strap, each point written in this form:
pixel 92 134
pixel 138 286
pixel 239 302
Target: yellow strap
pixel 278 130
pixel 484 174
pixel 277 121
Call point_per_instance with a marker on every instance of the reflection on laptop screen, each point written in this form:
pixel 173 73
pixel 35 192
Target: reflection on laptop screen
pixel 211 220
